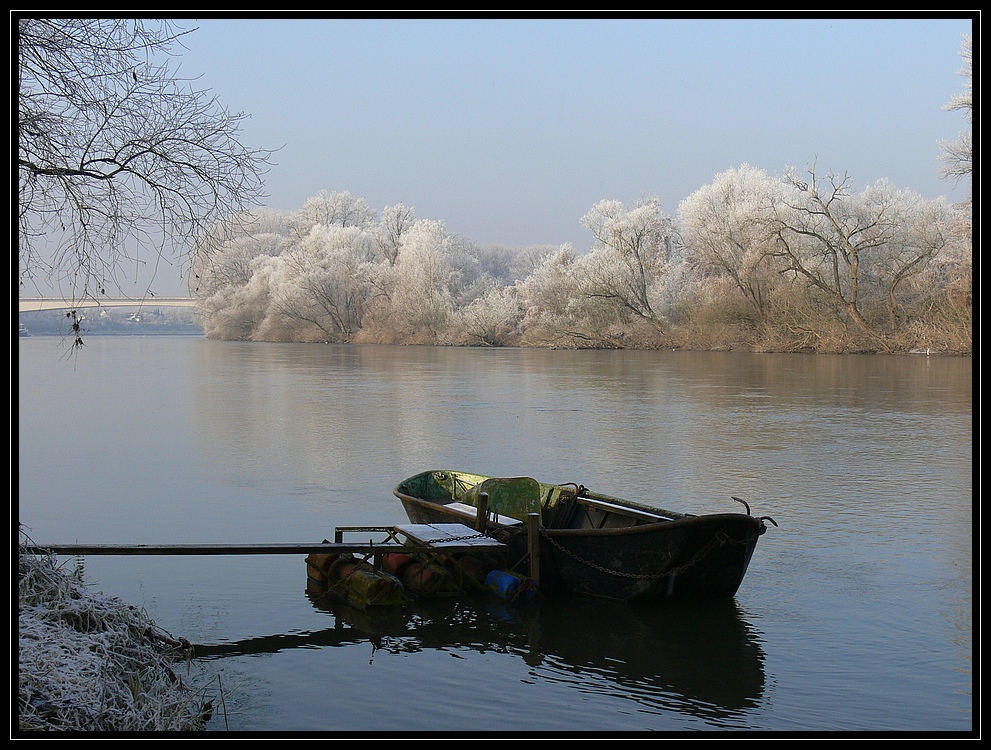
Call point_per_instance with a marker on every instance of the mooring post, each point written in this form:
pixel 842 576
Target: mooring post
pixel 483 511
pixel 533 544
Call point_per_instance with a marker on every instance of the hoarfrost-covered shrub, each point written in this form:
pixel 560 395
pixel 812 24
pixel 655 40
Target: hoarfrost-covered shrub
pixel 90 662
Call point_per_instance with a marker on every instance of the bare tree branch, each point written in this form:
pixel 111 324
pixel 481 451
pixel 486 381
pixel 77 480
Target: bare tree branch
pixel 119 161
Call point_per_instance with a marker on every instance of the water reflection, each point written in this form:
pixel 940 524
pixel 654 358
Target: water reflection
pixel 864 590
pixel 702 658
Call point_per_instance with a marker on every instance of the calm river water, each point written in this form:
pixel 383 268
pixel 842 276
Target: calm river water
pixel 855 615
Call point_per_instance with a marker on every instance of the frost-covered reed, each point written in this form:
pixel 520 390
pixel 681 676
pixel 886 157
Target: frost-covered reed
pixel 89 662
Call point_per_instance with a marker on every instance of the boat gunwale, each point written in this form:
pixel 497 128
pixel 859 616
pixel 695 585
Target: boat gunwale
pixel 670 515
pixel 650 527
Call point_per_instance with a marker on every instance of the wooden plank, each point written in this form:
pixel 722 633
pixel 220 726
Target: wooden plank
pixel 621 509
pixel 472 511
pixel 446 535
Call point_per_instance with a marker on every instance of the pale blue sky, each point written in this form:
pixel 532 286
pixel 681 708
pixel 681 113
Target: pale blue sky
pixel 509 130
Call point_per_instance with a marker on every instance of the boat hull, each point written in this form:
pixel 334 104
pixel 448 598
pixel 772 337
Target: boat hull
pixel 696 558
pixel 688 557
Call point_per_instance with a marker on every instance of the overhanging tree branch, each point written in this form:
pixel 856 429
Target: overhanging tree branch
pixel 119 160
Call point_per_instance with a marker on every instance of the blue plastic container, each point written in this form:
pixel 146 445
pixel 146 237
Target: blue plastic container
pixel 509 586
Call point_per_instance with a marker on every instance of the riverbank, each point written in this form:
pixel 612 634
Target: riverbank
pixel 88 662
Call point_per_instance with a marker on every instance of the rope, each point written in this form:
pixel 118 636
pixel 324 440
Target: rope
pixel 526 590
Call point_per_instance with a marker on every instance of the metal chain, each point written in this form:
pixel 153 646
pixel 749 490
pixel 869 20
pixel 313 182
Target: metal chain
pixel 429 543
pixel 719 538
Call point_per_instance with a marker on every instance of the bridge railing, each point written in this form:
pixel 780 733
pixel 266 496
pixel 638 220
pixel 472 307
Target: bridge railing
pixel 30 304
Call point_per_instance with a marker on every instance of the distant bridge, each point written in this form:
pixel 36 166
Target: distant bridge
pixel 31 304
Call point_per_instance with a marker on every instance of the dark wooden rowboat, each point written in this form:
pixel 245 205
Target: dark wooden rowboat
pixel 593 544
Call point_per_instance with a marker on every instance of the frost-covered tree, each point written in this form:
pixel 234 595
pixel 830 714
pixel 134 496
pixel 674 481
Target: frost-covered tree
pixel 324 285
pixel 556 312
pixel 506 265
pixel 626 266
pixel 224 253
pixel 232 269
pixel 237 313
pixel 316 288
pixel 727 228
pixel 493 319
pixel 395 222
pixel 958 155
pixel 415 295
pixel 332 209
pixel 915 232
pixel 856 248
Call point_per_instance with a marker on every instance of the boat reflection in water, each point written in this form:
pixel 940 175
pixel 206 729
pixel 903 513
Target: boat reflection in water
pixel 695 657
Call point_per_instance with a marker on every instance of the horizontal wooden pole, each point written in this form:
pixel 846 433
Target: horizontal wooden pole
pixel 210 549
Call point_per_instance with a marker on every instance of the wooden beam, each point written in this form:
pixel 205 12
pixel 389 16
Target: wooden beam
pixel 449 536
pixel 533 542
pixel 208 549
pixel 481 515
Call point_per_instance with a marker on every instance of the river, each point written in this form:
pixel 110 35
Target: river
pixel 855 615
